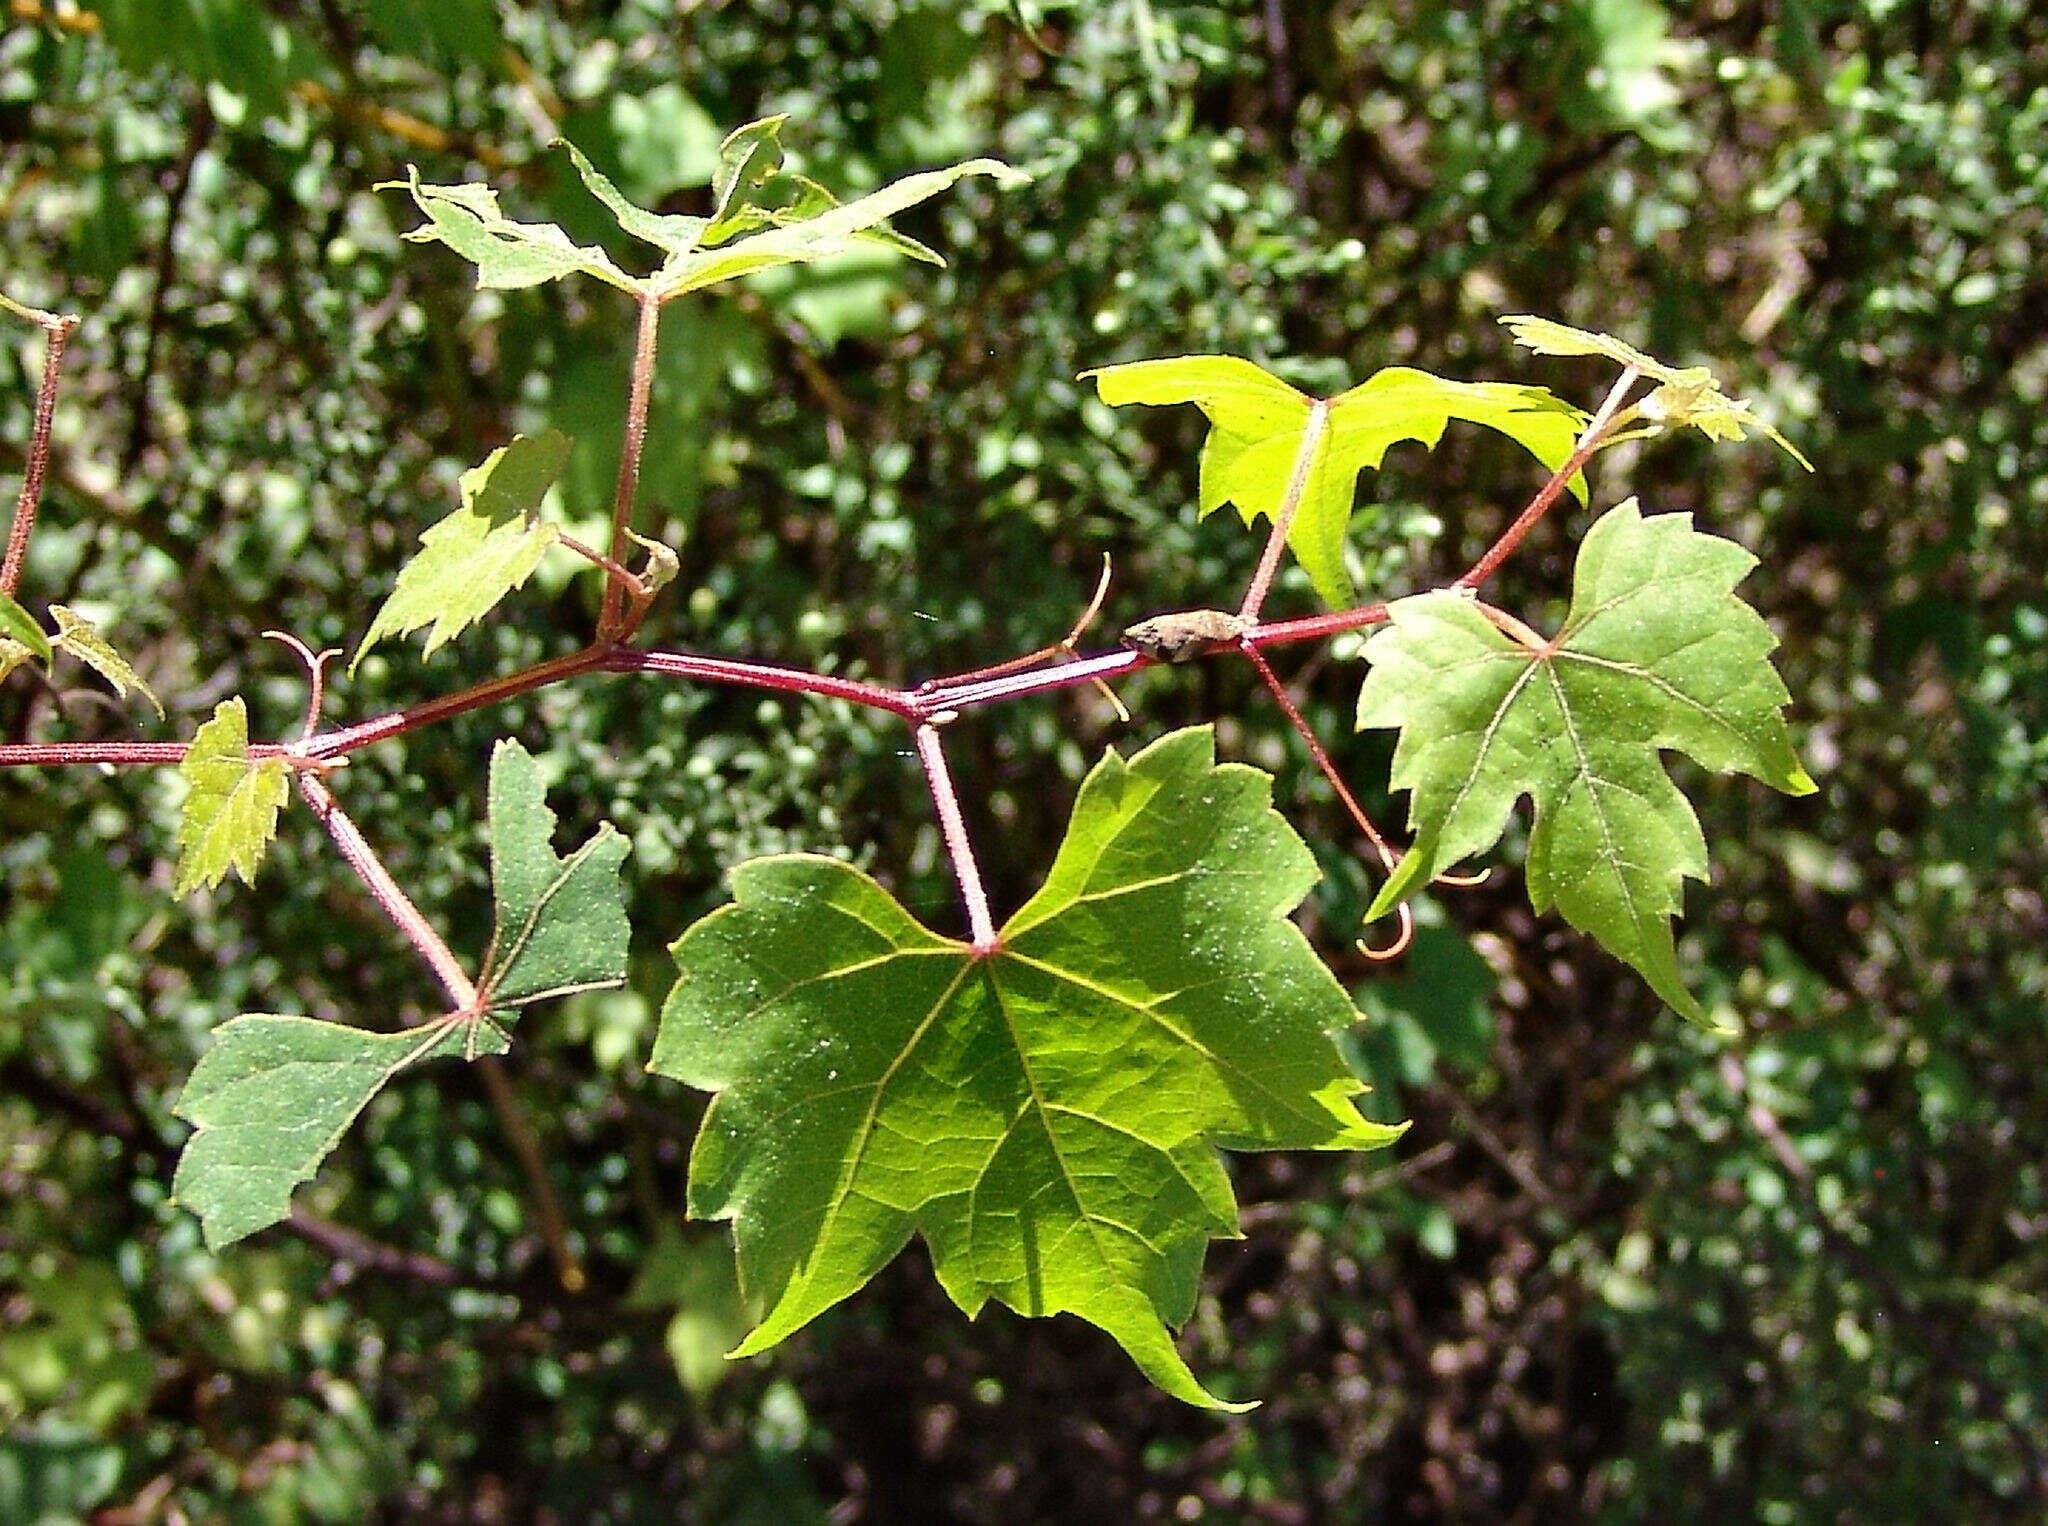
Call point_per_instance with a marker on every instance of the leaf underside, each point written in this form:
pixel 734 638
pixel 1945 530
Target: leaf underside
pixel 1047 1116
pixel 1656 652
pixel 470 560
pixel 1259 423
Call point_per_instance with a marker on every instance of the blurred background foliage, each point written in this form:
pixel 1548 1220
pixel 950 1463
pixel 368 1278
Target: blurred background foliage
pixel 1615 1272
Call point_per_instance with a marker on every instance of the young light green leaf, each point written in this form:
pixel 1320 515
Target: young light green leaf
pixel 1268 440
pixel 1656 652
pixel 482 551
pixel 669 232
pixel 81 640
pixel 275 1094
pixel 749 157
pixel 1685 396
pixel 507 254
pixel 1046 1115
pixel 812 229
pixel 560 926
pixel 12 655
pixel 24 630
pixel 230 814
pixel 662 562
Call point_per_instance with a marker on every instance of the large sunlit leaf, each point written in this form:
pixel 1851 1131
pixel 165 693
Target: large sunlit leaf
pixel 1047 1116
pixel 275 1094
pixel 560 925
pixel 230 813
pixel 482 551
pixel 1656 652
pixel 1265 436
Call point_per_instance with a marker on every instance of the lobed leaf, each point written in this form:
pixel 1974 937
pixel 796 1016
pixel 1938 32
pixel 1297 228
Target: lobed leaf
pixel 482 551
pixel 80 638
pixel 560 926
pixel 273 1097
pixel 230 813
pixel 1265 436
pixel 1046 1115
pixel 1656 652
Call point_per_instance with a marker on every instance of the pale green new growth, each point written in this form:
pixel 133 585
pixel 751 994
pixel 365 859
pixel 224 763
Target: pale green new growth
pixel 274 1094
pixel 762 217
pixel 1656 653
pixel 507 254
pixel 81 640
pixel 1047 1116
pixel 482 551
pixel 1258 424
pixel 1686 396
pixel 230 814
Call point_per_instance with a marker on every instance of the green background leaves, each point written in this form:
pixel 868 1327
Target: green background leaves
pixel 1046 1116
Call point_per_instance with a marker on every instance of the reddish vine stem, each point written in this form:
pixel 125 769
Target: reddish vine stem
pixel 1387 857
pixel 931 753
pixel 1297 488
pixel 935 697
pixel 610 614
pixel 1590 440
pixel 397 905
pixel 56 329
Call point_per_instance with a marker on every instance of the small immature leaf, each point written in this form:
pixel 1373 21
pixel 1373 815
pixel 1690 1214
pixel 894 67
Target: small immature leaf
pixel 1656 652
pixel 815 226
pixel 1685 396
pixel 12 655
pixel 24 630
pixel 230 815
pixel 560 926
pixel 507 254
pixel 81 640
pixel 1260 428
pixel 481 552
pixel 1046 1115
pixel 275 1094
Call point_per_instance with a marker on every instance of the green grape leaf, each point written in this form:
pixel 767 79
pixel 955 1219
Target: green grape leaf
pixel 1685 397
pixel 1047 1114
pixel 12 655
pixel 507 254
pixel 1656 652
pixel 560 926
pixel 230 813
pixel 482 551
pixel 24 630
pixel 1266 437
pixel 81 640
pixel 275 1094
pixel 748 159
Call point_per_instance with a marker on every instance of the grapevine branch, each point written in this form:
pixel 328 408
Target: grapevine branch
pixel 56 333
